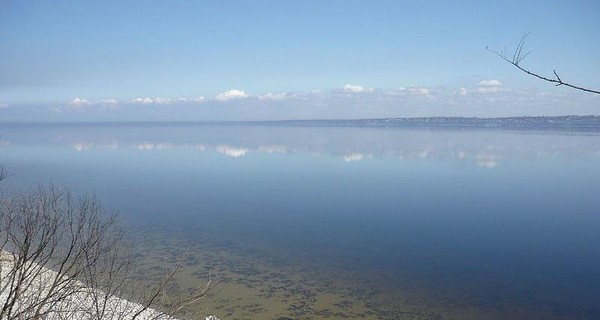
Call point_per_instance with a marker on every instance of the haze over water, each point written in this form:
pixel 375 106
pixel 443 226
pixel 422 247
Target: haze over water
pixel 331 222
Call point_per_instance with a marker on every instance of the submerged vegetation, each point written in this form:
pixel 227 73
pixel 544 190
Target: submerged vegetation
pixel 62 258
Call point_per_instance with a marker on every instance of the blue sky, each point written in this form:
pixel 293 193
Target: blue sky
pixel 250 60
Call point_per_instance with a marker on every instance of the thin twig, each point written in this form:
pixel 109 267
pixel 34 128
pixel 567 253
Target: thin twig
pixel 518 56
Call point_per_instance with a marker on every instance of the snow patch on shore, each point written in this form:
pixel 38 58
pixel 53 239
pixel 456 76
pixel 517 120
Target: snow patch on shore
pixel 84 303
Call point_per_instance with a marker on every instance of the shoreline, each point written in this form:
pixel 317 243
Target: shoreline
pixel 78 303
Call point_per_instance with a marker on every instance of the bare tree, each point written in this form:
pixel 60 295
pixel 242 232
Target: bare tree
pixel 62 258
pixel 519 56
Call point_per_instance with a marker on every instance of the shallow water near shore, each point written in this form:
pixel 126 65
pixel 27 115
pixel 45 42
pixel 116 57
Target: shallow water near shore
pixel 336 223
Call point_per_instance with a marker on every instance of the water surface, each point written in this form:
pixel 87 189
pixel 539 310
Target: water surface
pixel 331 222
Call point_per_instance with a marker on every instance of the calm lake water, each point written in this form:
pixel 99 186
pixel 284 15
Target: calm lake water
pixel 341 222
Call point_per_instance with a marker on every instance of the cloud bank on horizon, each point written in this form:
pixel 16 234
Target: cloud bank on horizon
pixel 260 60
pixel 487 98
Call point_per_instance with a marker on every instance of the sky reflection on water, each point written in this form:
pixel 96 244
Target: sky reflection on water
pixel 510 218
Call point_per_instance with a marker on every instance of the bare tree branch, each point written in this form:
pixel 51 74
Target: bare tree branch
pixel 62 258
pixel 518 56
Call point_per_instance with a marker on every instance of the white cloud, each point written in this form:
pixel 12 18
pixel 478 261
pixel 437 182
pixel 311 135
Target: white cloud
pixel 186 100
pixel 273 97
pixel 78 102
pixel 418 91
pixel 141 100
pixel 148 100
pixel 413 91
pixel 353 88
pixel 489 89
pixel 232 151
pixel 273 149
pixel 339 102
pixel 159 100
pixel 231 94
pixel 490 83
pixel 3 105
pixel 107 101
pixel 490 86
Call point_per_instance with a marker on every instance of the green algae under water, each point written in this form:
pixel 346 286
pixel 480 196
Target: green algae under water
pixel 263 284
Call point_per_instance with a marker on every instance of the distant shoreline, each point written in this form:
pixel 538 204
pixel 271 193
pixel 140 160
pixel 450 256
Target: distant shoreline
pixel 523 122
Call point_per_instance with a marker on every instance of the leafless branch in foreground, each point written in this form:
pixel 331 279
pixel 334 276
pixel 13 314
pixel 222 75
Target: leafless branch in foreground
pixel 62 258
pixel 519 55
